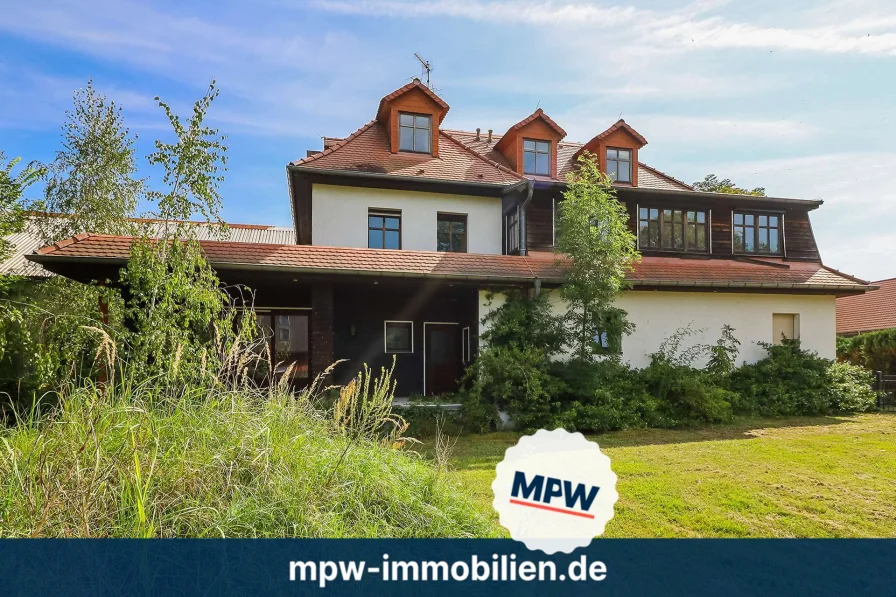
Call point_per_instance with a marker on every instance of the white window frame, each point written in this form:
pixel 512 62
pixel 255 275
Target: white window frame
pixel 465 355
pixel 385 337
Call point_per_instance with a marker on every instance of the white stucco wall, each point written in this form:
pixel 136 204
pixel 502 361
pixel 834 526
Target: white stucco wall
pixel 657 315
pixel 339 217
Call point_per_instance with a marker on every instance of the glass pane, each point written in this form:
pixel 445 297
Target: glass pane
pixel 773 221
pixel 541 164
pixel 701 238
pixel 392 223
pixel 611 169
pixel 374 222
pixel 292 336
pixel 398 337
pixel 738 218
pixel 667 234
pixel 624 172
pixel 773 242
pixel 421 122
pixel 406 119
pixel 763 239
pixel 748 219
pixel 459 241
pixel 701 217
pixel 692 216
pixel 738 239
pixel 654 214
pixel 375 239
pixel 643 213
pixel 624 154
pixel 654 234
pixel 405 138
pixel 644 234
pixel 542 146
pixel 528 145
pixel 422 140
pixel 529 162
pixel 611 154
pixel 443 237
pixel 763 220
pixel 749 240
pixel 393 240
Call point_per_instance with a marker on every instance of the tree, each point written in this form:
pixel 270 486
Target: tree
pixel 712 184
pixel 597 250
pixel 13 208
pixel 93 177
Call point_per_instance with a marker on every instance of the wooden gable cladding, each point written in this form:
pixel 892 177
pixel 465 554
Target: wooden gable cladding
pixel 413 98
pixel 618 136
pixel 539 127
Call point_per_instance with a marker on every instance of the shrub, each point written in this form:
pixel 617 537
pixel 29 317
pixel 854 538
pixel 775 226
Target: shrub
pixel 850 388
pixel 874 350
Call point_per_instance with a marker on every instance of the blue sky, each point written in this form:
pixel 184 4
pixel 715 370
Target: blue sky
pixel 796 98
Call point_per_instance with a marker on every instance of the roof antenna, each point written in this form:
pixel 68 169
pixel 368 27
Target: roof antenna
pixel 426 67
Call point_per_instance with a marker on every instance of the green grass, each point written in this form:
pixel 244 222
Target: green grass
pixel 129 463
pixel 796 477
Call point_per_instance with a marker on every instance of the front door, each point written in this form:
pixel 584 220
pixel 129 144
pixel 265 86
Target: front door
pixel 442 354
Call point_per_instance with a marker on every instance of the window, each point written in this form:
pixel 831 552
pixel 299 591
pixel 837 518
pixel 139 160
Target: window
pixel 512 232
pixel 672 229
pixel 757 233
pixel 619 164
pixel 451 233
pixel 286 335
pixel 399 336
pixel 536 157
pixel 414 132
pixel 383 229
pixel 465 345
pixel 785 326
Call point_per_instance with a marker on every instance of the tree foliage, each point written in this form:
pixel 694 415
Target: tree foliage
pixel 92 181
pixel 597 250
pixel 712 184
pixel 13 207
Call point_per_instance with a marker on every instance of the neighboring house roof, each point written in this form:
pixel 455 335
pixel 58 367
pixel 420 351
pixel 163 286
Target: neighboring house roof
pixel 874 310
pixel 650 272
pixel 31 239
pixel 368 150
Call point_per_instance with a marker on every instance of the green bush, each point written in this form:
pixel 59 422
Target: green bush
pixel 850 388
pixel 874 350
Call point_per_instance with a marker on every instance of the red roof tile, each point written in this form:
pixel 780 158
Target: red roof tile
pixel 651 271
pixel 874 310
pixel 415 84
pixel 367 150
pixel 539 113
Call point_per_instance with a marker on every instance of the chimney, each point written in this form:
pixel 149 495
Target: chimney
pixel 489 135
pixel 477 133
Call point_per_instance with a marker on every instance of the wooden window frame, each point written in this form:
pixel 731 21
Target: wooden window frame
pixel 536 152
pixel 453 218
pixel 756 228
pixel 631 155
pixel 685 228
pixel 414 128
pixel 373 212
pixel 386 337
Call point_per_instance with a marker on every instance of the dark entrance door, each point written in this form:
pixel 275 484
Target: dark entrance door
pixel 442 354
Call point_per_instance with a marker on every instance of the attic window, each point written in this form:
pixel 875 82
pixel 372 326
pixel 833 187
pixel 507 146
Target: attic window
pixel 619 164
pixel 414 133
pixel 536 157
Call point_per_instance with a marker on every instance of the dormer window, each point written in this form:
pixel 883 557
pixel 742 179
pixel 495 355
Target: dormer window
pixel 619 164
pixel 414 133
pixel 536 157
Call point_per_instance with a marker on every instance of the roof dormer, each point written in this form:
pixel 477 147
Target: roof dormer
pixel 411 116
pixel 530 145
pixel 617 152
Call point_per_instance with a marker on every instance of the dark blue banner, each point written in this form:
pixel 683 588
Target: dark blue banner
pixel 473 567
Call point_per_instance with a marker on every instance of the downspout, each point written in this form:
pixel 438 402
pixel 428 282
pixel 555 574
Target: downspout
pixel 530 189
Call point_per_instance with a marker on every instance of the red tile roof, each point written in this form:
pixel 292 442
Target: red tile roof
pixel 539 113
pixel 874 310
pixel 367 150
pixel 651 271
pixel 621 124
pixel 415 84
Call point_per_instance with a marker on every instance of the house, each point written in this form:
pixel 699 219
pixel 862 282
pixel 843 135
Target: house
pixel 869 312
pixel 406 232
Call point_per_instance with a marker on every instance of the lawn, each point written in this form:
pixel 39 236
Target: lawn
pixel 797 477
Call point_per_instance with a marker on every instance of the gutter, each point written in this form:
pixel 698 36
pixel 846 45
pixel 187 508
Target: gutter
pixel 416 179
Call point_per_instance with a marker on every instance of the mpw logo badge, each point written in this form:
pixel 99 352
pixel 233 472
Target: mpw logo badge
pixel 555 491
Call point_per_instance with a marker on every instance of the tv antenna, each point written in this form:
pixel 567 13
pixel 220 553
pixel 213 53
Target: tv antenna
pixel 426 67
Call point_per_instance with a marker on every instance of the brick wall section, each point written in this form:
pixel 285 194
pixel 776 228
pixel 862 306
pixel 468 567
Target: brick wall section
pixel 321 327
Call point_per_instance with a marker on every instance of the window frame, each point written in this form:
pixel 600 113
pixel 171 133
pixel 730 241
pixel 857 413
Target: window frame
pixel 512 224
pixel 271 341
pixel 536 152
pixel 631 156
pixel 386 323
pixel 756 213
pixel 383 213
pixel 685 228
pixel 453 218
pixel 466 356
pixel 414 128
